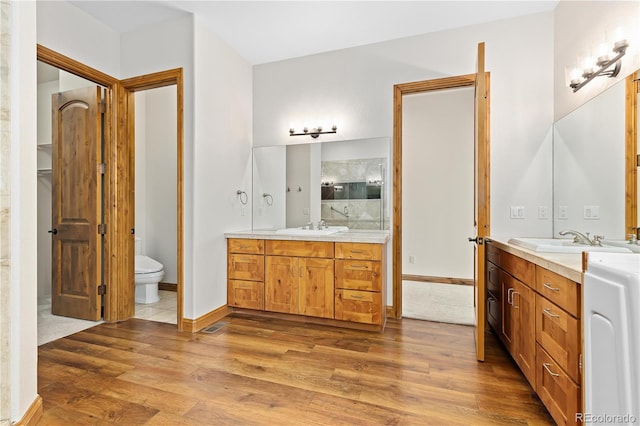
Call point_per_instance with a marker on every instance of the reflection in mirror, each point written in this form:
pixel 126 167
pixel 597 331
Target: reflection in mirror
pixel 589 167
pixel 343 183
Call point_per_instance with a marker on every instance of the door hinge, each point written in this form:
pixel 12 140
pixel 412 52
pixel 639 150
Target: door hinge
pixel 101 168
pixel 102 290
pixel 580 363
pixel 638 160
pixel 102 228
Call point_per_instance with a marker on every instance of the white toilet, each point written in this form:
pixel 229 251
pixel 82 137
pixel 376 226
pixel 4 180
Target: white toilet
pixel 149 273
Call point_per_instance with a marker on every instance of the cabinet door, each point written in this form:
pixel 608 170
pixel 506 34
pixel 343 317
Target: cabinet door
pixel 281 284
pixel 508 325
pixel 316 287
pixel 523 304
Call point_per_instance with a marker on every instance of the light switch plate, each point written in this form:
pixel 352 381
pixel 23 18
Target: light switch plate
pixel 517 212
pixel 592 212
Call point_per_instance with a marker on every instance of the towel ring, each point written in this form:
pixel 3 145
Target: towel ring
pixel 244 198
pixel 268 199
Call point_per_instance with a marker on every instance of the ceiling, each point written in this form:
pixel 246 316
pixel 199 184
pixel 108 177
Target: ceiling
pixel 267 31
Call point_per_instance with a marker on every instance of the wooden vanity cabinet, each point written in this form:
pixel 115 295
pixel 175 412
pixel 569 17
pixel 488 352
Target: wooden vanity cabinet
pixel 359 284
pixel 539 323
pixel 302 281
pixel 245 273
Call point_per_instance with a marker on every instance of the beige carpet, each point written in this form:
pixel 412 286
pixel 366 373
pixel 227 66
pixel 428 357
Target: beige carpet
pixel 438 302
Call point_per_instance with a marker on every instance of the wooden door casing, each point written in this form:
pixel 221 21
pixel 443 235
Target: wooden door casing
pixel 76 203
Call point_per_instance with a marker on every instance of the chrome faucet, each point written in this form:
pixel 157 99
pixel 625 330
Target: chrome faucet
pixel 580 238
pixel 321 224
pixel 310 225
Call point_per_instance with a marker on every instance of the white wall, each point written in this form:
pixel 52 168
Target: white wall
pixel 579 25
pixel 355 86
pixel 23 303
pixel 156 177
pixel 222 162
pixel 437 183
pixel 44 186
pixel 68 30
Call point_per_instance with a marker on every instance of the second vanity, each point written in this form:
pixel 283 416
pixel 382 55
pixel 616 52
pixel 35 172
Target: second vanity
pixel 337 279
pixel 534 306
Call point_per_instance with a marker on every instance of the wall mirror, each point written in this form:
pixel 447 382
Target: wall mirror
pixel 589 174
pixel 343 183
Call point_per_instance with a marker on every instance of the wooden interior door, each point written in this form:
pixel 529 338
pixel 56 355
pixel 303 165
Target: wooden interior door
pixel 76 203
pixel 481 196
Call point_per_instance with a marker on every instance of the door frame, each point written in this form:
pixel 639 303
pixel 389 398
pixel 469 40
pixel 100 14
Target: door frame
pixel 119 246
pixel 127 132
pixel 399 90
pixel 114 253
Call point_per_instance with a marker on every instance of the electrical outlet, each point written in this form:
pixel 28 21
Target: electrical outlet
pixel 563 212
pixel 543 212
pixel 592 212
pixel 412 259
pixel 517 212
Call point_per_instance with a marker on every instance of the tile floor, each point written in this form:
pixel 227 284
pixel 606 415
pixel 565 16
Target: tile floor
pixel 163 311
pixel 52 327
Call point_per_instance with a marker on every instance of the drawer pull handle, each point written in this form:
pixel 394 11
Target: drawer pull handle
pixel 244 246
pixel 360 266
pixel 548 312
pixel 547 285
pixel 246 259
pixel 356 296
pixel 357 251
pixel 546 366
pixel 510 296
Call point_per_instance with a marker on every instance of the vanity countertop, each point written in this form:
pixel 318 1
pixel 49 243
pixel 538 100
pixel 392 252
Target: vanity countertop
pixel 569 265
pixel 354 236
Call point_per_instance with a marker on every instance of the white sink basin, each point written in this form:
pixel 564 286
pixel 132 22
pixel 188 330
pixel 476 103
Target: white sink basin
pixel 301 231
pixel 558 245
pixel 622 243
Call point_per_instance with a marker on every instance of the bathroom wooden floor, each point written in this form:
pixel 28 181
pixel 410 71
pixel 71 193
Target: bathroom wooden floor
pixel 253 371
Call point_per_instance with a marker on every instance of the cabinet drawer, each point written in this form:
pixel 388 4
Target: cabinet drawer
pixel 494 316
pixel 300 248
pixel 493 279
pixel 560 290
pixel 358 306
pixel 493 254
pixel 248 246
pixel 559 334
pixel 249 267
pixel 558 392
pixel 358 275
pixel 359 251
pixel 245 294
pixel 521 269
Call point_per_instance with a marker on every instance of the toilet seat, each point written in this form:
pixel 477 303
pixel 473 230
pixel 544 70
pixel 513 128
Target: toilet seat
pixel 146 265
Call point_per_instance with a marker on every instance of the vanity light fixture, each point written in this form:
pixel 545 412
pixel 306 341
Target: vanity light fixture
pixel 314 133
pixel 604 63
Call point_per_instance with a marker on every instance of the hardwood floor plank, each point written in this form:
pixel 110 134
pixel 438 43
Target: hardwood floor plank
pixel 255 371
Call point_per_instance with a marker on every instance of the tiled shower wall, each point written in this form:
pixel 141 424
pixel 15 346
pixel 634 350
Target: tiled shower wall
pixel 5 211
pixel 362 214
